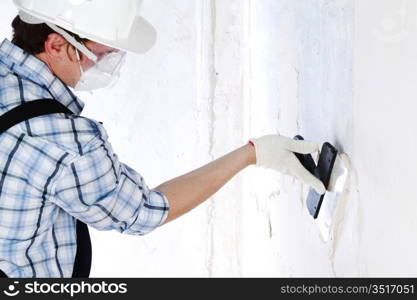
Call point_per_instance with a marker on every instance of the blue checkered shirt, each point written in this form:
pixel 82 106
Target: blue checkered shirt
pixel 56 169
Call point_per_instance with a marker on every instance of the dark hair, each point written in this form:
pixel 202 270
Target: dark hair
pixel 31 37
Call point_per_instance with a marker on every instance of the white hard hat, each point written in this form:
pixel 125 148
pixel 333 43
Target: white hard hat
pixel 114 23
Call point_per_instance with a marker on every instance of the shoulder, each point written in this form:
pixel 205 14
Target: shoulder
pixel 71 133
pixel 14 90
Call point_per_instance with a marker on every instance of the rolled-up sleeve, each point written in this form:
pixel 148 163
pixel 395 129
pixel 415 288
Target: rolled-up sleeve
pixel 107 194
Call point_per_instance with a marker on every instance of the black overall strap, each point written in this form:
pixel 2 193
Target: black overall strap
pixel 31 109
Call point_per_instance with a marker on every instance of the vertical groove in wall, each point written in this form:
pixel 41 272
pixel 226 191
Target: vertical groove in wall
pixel 360 269
pixel 202 85
pixel 246 127
pixel 354 175
pixel 212 120
pixel 296 66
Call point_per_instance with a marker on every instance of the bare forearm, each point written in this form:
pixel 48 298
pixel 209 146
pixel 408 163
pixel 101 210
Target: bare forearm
pixel 191 189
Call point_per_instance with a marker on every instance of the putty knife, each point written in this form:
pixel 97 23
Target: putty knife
pixel 332 172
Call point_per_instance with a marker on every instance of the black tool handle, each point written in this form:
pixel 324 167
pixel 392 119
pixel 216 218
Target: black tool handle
pixel 323 172
pixel 305 159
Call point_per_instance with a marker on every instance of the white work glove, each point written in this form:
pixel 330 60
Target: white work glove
pixel 276 152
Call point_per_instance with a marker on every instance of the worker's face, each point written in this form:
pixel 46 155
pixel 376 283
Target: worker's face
pixel 99 50
pixel 62 60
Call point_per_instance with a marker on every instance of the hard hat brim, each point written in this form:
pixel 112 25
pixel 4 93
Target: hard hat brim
pixel 141 39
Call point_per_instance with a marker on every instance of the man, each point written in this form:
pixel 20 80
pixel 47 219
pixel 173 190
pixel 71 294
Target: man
pixel 59 168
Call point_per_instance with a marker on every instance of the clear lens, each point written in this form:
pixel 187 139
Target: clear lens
pixel 112 63
pixel 105 72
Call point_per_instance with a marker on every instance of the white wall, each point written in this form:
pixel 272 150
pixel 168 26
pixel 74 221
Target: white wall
pixel 224 71
pixel 348 72
pixel 315 52
pixel 385 140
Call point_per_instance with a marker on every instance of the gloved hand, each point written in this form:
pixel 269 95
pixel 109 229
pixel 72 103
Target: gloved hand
pixel 276 152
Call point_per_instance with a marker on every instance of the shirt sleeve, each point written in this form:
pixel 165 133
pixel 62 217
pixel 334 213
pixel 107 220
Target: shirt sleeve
pixel 107 194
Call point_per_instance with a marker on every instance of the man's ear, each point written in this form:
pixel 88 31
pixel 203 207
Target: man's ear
pixel 56 47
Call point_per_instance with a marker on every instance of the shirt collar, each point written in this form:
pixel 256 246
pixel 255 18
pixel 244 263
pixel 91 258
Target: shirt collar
pixel 31 68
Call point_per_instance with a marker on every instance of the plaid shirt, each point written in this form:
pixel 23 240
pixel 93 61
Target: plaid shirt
pixel 58 168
